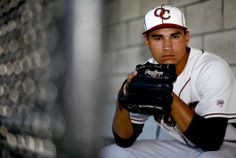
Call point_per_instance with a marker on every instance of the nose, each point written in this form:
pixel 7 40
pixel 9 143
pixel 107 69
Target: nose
pixel 167 45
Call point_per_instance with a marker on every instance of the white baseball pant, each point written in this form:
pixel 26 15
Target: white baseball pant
pixel 165 149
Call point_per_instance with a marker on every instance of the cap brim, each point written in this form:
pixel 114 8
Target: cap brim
pixel 164 26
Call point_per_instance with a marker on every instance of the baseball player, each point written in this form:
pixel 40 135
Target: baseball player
pixel 203 105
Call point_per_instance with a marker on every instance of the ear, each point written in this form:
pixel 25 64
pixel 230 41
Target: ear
pixel 187 38
pixel 146 40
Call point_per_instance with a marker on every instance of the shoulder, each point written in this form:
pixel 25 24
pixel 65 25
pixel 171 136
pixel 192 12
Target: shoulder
pixel 205 56
pixel 211 69
pixel 205 60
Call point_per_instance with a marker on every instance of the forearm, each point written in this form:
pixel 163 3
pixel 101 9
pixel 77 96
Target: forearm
pixel 122 125
pixel 208 134
pixel 125 133
pixel 181 113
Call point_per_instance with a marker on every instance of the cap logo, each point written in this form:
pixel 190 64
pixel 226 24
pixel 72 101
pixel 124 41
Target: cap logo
pixel 162 13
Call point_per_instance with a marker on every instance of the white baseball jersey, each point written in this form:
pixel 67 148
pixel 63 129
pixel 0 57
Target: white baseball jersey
pixel 208 80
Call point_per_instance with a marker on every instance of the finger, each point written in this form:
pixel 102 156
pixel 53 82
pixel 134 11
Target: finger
pixel 132 75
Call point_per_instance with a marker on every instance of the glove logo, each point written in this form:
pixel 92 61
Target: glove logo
pixel 154 74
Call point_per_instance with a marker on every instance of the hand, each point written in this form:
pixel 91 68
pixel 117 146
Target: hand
pixel 126 82
pixel 147 90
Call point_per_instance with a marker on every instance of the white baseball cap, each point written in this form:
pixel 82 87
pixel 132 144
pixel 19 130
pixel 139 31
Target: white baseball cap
pixel 164 16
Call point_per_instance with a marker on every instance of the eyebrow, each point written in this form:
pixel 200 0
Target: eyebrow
pixel 176 33
pixel 160 35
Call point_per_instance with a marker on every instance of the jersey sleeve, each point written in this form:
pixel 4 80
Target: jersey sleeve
pixel 216 88
pixel 138 118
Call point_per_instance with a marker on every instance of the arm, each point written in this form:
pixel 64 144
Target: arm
pixel 214 81
pixel 124 131
pixel 122 125
pixel 208 134
pixel 181 113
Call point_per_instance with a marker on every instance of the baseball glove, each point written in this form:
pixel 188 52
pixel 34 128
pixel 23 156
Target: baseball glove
pixel 149 92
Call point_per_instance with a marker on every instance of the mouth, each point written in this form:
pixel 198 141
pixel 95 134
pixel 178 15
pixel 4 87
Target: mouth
pixel 168 56
pixel 168 59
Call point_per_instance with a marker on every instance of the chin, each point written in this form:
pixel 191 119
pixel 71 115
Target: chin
pixel 169 62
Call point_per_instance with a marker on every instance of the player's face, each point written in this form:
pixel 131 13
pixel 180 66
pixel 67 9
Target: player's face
pixel 168 45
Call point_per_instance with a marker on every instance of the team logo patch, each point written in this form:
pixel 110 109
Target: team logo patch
pixel 162 13
pixel 220 102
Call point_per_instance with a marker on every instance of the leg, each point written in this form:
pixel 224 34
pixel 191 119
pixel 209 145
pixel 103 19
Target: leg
pixel 227 150
pixel 150 149
pixel 114 151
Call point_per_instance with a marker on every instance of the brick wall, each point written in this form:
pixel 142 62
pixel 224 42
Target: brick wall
pixel 212 26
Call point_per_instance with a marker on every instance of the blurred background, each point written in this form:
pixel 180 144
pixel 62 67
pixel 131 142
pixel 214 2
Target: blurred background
pixel 63 61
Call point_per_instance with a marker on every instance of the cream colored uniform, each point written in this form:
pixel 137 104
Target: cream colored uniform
pixel 208 80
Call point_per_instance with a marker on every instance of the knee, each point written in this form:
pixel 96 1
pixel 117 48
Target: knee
pixel 203 155
pixel 210 154
pixel 113 151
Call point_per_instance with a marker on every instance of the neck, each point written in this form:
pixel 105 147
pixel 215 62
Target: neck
pixel 181 65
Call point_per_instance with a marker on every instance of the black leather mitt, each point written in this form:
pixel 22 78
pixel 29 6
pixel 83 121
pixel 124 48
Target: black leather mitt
pixel 149 92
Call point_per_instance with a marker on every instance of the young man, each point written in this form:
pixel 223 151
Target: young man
pixel 204 98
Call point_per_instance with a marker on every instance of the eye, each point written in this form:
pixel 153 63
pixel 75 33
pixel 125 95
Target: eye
pixel 176 36
pixel 157 38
